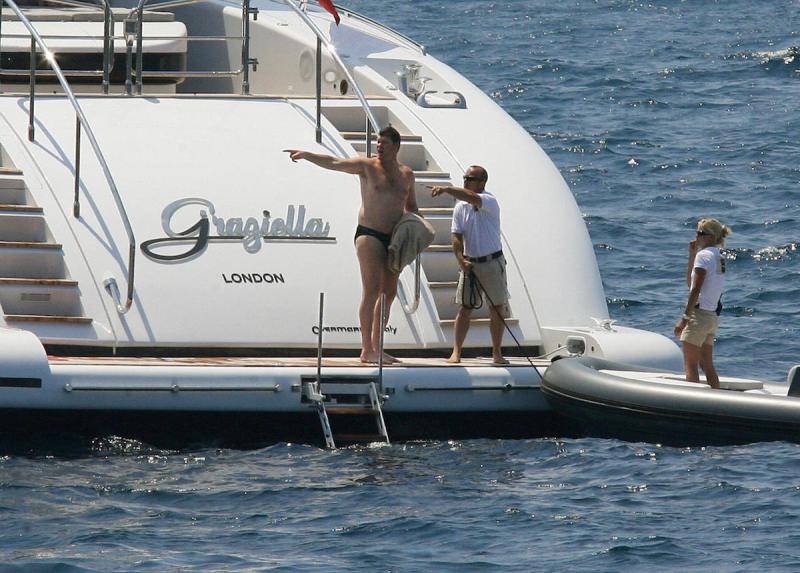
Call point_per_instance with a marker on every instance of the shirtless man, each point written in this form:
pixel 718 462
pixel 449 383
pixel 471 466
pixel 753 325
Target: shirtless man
pixel 387 192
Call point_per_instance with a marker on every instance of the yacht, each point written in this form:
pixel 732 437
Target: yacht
pixel 164 265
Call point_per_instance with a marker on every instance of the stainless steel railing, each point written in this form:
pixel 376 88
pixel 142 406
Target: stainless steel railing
pixel 372 122
pixel 80 123
pixel 405 39
pixel 247 61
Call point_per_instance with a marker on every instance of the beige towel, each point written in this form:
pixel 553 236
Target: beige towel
pixel 410 237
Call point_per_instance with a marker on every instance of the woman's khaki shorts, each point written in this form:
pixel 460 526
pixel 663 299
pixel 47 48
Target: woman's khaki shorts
pixel 701 328
pixel 492 277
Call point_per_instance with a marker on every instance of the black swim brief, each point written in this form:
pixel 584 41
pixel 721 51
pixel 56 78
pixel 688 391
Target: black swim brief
pixel 382 237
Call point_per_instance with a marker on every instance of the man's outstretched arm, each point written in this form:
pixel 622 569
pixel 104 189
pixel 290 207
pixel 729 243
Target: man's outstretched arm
pixel 459 193
pixel 352 165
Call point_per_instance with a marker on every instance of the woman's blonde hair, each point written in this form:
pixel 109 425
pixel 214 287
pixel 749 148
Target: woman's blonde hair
pixel 717 229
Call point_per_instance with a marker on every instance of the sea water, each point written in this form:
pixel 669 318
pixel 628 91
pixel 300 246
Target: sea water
pixel 656 114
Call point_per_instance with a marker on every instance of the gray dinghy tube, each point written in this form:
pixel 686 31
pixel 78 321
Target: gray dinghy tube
pixel 605 405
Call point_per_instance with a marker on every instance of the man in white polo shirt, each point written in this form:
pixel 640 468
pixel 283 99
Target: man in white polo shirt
pixel 477 246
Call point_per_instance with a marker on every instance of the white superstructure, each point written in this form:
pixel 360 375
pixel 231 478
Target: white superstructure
pixel 189 204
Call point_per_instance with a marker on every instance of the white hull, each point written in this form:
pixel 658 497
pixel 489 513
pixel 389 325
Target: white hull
pixel 188 203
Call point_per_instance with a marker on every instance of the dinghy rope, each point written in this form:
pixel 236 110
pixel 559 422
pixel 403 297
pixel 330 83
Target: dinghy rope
pixel 474 281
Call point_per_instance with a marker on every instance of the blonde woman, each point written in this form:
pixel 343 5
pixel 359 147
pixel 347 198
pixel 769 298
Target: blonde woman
pixel 705 277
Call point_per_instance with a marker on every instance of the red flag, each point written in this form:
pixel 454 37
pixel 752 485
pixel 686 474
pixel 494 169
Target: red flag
pixel 328 5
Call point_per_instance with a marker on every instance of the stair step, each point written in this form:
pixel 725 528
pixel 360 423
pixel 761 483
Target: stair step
pixel 38 282
pixel 30 245
pixel 436 210
pixel 10 171
pixel 47 318
pixel 476 322
pixel 20 208
pixel 354 410
pixel 366 438
pixel 432 175
pixel 444 284
pixel 440 249
pixel 362 135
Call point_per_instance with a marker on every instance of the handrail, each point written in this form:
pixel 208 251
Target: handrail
pixel 247 61
pixel 81 121
pixel 322 40
pixel 412 308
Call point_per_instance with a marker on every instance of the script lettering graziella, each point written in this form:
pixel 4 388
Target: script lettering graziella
pixel 252 231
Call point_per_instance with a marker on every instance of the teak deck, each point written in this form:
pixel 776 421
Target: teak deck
pixel 305 362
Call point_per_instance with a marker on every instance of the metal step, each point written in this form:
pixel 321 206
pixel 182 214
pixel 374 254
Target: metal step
pixel 38 282
pixel 432 211
pixel 350 410
pixel 16 208
pixel 7 170
pixel 432 174
pixel 30 245
pixel 440 249
pixel 362 135
pixel 47 318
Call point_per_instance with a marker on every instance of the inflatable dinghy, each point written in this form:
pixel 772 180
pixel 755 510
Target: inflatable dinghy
pixel 609 399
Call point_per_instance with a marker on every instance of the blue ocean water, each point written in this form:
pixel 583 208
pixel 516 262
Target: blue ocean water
pixel 657 114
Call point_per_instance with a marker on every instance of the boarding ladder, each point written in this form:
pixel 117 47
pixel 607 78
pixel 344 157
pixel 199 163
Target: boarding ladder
pixel 346 396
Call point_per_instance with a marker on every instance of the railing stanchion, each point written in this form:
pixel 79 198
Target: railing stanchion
pixel 139 48
pixel 31 132
pixel 76 204
pixel 319 90
pixel 319 341
pixel 108 27
pixel 1 34
pixel 369 137
pixel 380 346
pixel 246 47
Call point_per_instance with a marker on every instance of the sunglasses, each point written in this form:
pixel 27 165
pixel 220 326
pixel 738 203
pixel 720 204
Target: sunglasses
pixel 472 178
pixel 703 234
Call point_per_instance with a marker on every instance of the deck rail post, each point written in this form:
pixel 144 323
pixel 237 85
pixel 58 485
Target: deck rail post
pixel 380 346
pixel 319 340
pixel 108 45
pixel 76 204
pixel 319 90
pixel 32 97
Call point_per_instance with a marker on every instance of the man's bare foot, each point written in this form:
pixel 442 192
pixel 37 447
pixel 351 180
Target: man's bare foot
pixel 454 359
pixel 369 357
pixel 389 359
pixel 499 360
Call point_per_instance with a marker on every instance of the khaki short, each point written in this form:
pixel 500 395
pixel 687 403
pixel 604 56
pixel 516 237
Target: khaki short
pixel 492 277
pixel 701 328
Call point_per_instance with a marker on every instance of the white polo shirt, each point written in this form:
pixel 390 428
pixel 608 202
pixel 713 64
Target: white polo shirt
pixel 480 227
pixel 710 259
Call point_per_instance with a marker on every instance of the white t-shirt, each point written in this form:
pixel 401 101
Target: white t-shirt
pixel 480 227
pixel 711 260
